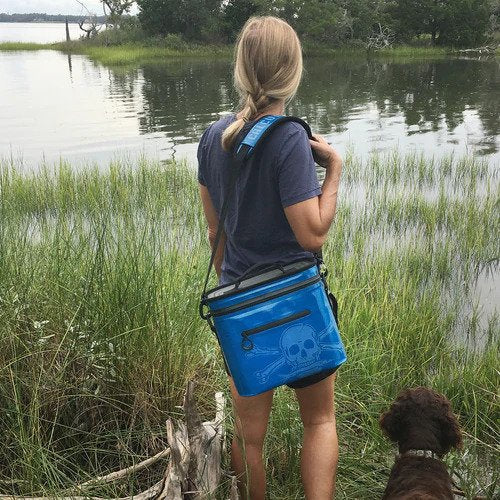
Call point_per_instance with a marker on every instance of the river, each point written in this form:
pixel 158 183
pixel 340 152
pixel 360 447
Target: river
pixel 38 32
pixel 56 106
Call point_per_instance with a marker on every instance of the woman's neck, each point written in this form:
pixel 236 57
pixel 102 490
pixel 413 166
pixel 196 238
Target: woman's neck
pixel 276 108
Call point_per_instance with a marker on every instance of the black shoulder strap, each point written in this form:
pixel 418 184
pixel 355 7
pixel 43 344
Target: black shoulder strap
pixel 253 138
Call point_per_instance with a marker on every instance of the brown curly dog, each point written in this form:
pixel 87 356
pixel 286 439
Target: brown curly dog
pixel 421 421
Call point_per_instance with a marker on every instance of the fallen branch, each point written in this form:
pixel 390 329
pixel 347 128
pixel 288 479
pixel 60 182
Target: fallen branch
pixel 462 494
pixel 149 494
pixel 113 476
pixel 59 497
pixel 194 470
pixel 487 49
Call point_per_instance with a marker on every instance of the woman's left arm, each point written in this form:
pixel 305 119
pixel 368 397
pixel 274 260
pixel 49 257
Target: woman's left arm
pixel 213 223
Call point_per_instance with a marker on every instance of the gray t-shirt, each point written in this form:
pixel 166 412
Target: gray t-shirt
pixel 280 174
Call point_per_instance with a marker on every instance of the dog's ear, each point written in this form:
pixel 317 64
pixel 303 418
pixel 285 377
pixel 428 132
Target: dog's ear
pixel 451 435
pixel 391 421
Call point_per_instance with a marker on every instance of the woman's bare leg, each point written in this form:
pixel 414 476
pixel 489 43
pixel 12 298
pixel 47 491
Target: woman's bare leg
pixel 319 455
pixel 251 418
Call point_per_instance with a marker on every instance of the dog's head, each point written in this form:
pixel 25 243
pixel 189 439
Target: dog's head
pixel 426 411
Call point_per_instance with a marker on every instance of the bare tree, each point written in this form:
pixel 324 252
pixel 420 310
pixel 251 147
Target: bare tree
pixel 382 39
pixel 89 24
pixel 116 9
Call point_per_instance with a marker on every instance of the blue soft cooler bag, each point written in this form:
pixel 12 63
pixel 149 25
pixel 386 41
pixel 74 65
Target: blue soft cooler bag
pixel 277 326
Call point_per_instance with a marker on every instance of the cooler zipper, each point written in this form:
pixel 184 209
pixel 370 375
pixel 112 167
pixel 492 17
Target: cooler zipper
pixel 267 296
pixel 246 342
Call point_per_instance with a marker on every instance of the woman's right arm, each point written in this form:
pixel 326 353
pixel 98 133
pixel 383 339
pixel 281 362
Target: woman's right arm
pixel 311 219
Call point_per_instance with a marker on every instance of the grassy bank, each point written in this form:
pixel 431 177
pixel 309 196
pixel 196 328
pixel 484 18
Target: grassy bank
pixel 100 274
pixel 405 51
pixel 124 54
pixel 138 52
pixel 13 46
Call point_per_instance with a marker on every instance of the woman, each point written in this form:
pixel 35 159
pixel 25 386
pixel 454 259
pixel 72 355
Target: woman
pixel 278 213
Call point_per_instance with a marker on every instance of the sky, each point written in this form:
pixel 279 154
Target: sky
pixel 52 6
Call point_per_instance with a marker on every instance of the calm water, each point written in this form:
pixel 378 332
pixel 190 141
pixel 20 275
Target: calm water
pixel 54 105
pixel 38 32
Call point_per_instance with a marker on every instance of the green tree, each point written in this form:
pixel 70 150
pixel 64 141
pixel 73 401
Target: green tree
pixel 366 15
pixel 317 20
pixel 448 22
pixel 464 23
pixel 322 21
pixel 234 15
pixel 285 9
pixel 193 19
pixel 330 21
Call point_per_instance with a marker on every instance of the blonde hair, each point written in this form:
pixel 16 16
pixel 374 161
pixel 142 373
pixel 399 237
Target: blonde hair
pixel 268 67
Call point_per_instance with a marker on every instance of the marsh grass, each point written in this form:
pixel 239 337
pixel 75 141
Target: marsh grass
pixel 150 50
pixel 137 53
pixel 12 46
pixel 100 274
pixel 126 54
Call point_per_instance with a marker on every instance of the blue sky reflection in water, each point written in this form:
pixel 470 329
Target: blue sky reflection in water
pixel 56 105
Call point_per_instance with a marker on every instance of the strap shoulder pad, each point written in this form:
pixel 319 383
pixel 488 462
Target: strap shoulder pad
pixel 260 130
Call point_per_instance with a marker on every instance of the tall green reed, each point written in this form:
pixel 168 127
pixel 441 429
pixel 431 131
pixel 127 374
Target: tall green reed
pixel 100 274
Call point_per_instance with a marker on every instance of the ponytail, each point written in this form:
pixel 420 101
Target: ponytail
pixel 268 67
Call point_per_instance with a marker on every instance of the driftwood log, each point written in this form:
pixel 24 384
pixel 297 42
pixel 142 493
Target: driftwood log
pixel 197 448
pixel 194 470
pixel 486 50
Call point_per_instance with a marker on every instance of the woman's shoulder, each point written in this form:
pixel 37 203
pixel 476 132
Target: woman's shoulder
pixel 291 128
pixel 213 133
pixel 219 125
pixel 287 135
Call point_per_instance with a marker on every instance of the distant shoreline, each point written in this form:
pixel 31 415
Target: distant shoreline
pixel 39 18
pixel 38 22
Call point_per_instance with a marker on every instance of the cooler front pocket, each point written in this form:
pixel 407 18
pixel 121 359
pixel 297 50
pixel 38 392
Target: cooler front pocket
pixel 246 341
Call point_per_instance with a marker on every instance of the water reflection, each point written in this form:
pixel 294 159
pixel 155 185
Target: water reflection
pixel 161 109
pixel 449 100
pixel 70 67
pixel 86 112
pixel 182 97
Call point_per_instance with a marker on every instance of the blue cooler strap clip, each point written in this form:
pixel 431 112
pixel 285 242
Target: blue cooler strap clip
pixel 323 272
pixel 204 310
pixel 246 342
pixel 205 314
